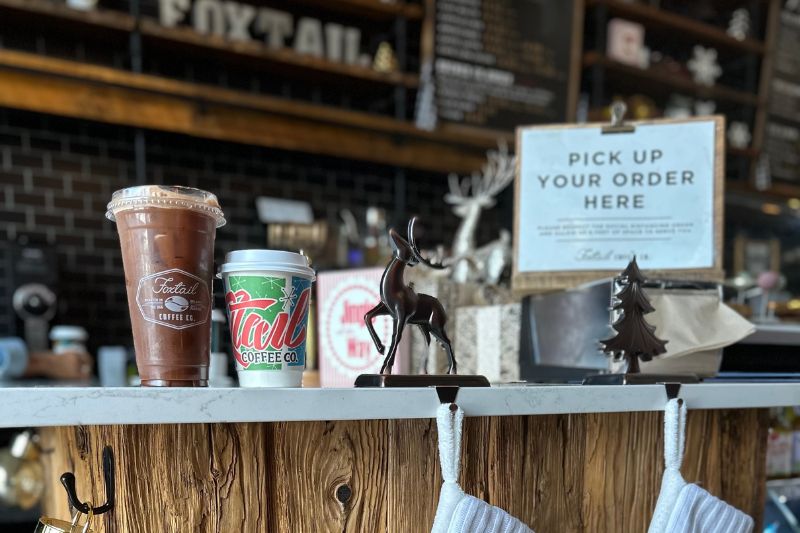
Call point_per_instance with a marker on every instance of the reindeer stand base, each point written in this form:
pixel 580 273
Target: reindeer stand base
pixel 420 380
pixel 639 379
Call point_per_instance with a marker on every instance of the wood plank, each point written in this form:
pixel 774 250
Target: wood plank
pixel 185 38
pixel 573 473
pixel 190 477
pixel 412 462
pixel 777 191
pixel 312 462
pixel 532 470
pixel 100 19
pixel 252 120
pixel 10 59
pixel 773 8
pixel 738 446
pixel 655 18
pixel 372 8
pixel 622 471
pixel 662 81
pixel 255 53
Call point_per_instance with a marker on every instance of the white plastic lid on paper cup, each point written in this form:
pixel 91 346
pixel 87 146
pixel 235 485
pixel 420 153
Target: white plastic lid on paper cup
pixel 68 333
pixel 267 260
pixel 165 197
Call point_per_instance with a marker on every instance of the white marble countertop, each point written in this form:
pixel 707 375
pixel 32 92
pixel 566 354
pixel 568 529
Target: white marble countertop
pixel 67 406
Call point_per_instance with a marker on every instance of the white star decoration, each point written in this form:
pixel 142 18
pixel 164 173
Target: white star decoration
pixel 273 283
pixel 703 65
pixel 288 298
pixel 739 134
pixel 236 284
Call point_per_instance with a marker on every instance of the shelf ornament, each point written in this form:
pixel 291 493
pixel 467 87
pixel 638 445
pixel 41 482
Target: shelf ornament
pixel 704 66
pixel 405 306
pixel 739 134
pixel 739 26
pixel 635 338
pixel 385 60
pixel 469 196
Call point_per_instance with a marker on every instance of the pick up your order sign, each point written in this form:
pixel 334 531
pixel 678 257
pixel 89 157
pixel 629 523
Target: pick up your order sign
pixel 589 201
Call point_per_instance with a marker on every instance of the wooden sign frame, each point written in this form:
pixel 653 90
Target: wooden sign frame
pixel 545 281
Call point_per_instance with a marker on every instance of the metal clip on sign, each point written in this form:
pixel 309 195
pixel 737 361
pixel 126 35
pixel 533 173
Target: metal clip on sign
pixel 618 125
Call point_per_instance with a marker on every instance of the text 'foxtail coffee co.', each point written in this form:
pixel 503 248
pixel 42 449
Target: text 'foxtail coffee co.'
pixel 174 299
pixel 268 295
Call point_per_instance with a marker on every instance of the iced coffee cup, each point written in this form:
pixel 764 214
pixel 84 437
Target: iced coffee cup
pixel 167 238
pixel 267 296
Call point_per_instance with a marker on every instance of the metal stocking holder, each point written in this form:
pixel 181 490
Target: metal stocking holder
pixel 68 480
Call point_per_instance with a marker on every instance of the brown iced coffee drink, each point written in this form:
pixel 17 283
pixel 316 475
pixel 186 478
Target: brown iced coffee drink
pixel 167 238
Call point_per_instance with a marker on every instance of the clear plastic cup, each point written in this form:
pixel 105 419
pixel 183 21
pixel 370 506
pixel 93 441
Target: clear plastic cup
pixel 167 238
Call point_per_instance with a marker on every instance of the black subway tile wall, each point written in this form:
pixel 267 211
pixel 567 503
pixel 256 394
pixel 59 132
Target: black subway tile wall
pixel 57 174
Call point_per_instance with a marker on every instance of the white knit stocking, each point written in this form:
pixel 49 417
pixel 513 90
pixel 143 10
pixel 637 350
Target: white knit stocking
pixel 448 422
pixel 672 482
pixel 459 512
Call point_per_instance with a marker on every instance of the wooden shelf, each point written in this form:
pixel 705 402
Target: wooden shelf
pixel 777 191
pixel 659 19
pixel 67 88
pixel 187 38
pixel 749 152
pixel 659 81
pixel 372 8
pixel 251 50
pixel 97 19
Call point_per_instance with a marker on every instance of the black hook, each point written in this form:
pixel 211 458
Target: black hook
pixel 447 394
pixel 68 480
pixel 672 390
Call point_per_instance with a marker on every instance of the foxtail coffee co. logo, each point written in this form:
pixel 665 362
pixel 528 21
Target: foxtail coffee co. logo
pixel 174 298
pixel 269 330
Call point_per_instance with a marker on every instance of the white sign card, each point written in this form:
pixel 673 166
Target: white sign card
pixel 587 201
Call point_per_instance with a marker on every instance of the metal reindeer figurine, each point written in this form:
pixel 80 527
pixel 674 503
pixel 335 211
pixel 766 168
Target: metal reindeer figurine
pixel 405 306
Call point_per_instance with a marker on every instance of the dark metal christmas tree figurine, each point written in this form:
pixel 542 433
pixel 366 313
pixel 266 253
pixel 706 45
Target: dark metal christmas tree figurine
pixel 635 338
pixel 405 307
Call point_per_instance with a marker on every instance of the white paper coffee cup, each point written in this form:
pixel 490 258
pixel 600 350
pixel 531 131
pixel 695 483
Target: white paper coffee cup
pixel 267 297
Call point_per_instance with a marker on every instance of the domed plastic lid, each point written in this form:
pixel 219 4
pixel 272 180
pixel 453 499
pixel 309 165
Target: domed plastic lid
pixel 166 197
pixel 68 333
pixel 273 260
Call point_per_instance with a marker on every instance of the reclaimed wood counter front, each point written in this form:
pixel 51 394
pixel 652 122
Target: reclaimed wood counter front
pixel 597 472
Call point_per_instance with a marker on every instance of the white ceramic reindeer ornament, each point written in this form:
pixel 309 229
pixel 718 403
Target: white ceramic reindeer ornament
pixel 469 196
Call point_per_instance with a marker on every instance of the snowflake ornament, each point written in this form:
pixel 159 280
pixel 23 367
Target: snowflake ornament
pixel 704 107
pixel 678 106
pixel 739 134
pixel 739 26
pixel 703 65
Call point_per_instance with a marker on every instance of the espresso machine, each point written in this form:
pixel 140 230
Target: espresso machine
pixel 29 278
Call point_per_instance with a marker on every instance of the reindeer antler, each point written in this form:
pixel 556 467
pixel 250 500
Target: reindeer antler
pixel 415 250
pixel 496 174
